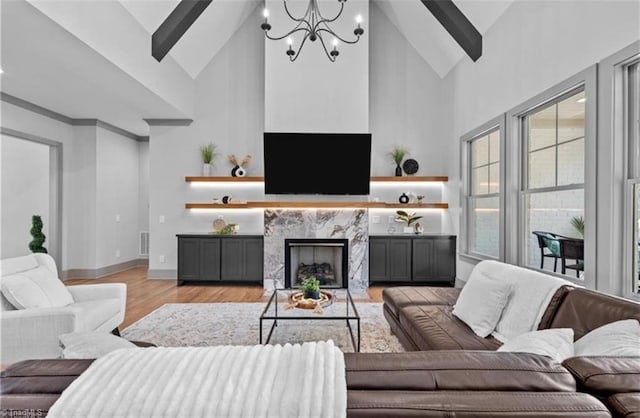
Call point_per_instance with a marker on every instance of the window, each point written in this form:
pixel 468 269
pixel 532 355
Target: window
pixel 482 207
pixel 632 118
pixel 553 144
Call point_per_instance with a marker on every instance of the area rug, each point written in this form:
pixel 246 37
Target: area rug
pixel 208 324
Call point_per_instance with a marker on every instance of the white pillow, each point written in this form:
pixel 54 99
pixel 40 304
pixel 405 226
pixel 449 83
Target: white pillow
pixel 556 343
pixel 620 338
pixel 91 344
pixel 35 288
pixel 481 302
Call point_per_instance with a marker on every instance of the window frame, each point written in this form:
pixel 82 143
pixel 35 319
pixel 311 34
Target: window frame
pixel 614 193
pixel 493 125
pixel 631 132
pixel 515 244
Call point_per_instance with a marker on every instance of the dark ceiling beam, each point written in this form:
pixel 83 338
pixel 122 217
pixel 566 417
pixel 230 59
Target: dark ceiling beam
pixel 458 26
pixel 175 25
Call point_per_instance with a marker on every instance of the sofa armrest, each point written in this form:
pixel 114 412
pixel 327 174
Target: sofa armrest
pixel 33 333
pixel 88 292
pixel 456 370
pixel 604 375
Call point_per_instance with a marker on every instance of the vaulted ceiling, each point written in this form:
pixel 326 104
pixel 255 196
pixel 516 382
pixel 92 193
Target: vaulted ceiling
pixel 89 59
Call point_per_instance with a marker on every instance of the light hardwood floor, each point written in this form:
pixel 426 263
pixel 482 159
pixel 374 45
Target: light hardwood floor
pixel 145 295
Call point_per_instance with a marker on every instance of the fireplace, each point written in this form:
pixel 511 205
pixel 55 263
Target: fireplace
pixel 327 259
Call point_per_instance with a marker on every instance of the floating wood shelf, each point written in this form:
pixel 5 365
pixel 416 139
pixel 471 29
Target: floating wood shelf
pixel 259 179
pixel 316 205
pixel 416 179
pixel 221 179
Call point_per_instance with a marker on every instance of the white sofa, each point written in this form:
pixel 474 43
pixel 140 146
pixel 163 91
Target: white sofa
pixel 47 308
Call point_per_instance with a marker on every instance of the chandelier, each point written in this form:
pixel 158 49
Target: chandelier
pixel 314 27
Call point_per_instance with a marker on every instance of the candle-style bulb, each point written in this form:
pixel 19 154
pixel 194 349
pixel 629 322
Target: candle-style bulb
pixel 265 13
pixel 335 43
pixel 289 41
pixel 359 19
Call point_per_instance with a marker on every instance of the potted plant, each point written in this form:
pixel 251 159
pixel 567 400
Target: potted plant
pixel 207 153
pixel 311 288
pixel 398 153
pixel 38 237
pixel 408 218
pixel 577 222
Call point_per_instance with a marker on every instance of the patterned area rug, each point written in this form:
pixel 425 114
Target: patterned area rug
pixel 207 324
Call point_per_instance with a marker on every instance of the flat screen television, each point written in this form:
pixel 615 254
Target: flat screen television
pixel 317 163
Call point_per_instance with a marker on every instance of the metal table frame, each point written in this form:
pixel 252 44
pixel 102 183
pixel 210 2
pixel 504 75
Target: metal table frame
pixel 276 317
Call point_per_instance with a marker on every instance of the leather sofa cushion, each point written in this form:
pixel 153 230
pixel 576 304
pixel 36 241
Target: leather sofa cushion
pixel 53 367
pixel 585 310
pixel 552 307
pixel 463 404
pixel 27 405
pixel 397 298
pixel 435 328
pixel 605 375
pixel 456 370
pixel 625 405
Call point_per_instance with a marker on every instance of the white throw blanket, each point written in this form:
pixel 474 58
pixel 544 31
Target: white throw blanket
pixel 229 381
pixel 531 294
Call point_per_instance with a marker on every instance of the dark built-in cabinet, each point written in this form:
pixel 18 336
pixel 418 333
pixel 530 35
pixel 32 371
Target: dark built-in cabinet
pixel 412 259
pixel 216 258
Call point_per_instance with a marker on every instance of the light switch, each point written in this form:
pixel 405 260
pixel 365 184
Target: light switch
pixel 161 258
pixel 391 219
pixel 161 219
pixel 375 219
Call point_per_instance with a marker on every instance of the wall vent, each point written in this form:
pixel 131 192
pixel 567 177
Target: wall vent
pixel 143 244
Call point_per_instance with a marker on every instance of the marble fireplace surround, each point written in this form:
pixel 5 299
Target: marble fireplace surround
pixel 352 224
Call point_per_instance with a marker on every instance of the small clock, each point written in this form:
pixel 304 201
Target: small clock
pixel 410 166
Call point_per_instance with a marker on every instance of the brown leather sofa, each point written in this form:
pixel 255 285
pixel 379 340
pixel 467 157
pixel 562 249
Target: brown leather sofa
pixel 422 319
pixel 425 384
pixel 463 384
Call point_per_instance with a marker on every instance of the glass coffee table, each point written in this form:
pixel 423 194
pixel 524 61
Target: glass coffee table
pixel 342 308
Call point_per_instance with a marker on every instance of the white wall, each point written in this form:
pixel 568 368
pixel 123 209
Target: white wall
pixel 100 177
pixel 405 109
pixel 25 192
pixel 229 113
pixel 117 198
pixel 313 94
pixel 533 46
pixel 143 186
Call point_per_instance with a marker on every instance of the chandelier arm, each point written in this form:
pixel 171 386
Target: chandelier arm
pixel 291 32
pixel 332 59
pixel 300 47
pixel 325 20
pixel 329 31
pixel 302 19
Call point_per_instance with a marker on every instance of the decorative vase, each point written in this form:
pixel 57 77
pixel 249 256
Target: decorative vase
pixel 408 230
pixel 417 228
pixel 404 199
pixel 206 170
pixel 312 295
pixel 398 171
pixel 238 171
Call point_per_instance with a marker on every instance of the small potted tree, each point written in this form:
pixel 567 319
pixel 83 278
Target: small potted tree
pixel 207 153
pixel 311 288
pixel 398 153
pixel 36 245
pixel 408 218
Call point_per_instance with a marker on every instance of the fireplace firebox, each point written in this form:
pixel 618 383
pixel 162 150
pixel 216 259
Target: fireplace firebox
pixel 326 259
